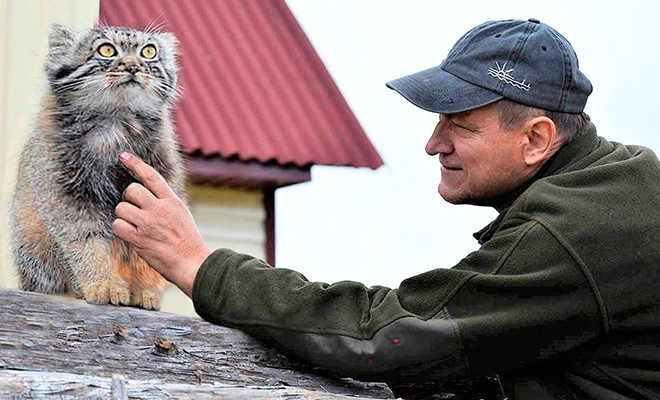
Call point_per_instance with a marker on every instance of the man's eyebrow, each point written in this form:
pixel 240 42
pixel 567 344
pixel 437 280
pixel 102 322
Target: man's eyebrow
pixel 457 114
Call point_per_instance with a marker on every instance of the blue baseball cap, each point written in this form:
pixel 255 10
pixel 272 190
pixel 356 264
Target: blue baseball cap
pixel 524 61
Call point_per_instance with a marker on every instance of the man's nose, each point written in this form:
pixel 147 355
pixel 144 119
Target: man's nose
pixel 439 143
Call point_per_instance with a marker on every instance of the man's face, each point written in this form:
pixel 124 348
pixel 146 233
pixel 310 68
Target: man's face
pixel 480 162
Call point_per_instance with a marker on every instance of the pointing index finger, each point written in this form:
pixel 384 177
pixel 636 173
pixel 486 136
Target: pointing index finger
pixel 149 176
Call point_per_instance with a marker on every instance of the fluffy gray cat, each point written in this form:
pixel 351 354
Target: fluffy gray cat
pixel 109 90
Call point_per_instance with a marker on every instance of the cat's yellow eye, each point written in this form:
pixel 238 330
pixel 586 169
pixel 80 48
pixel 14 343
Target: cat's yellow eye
pixel 107 50
pixel 148 51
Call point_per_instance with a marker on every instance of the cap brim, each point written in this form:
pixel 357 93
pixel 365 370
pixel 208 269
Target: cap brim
pixel 438 91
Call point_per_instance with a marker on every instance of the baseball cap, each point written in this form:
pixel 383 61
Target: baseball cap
pixel 524 61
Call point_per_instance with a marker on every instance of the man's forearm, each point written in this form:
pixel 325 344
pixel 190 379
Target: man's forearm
pixel 345 327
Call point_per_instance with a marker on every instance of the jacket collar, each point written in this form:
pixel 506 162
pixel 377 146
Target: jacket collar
pixel 568 155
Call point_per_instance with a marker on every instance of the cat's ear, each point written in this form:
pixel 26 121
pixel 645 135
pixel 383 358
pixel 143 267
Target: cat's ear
pixel 60 42
pixel 170 40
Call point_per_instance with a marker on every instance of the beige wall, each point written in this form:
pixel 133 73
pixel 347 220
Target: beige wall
pixel 226 217
pixel 24 26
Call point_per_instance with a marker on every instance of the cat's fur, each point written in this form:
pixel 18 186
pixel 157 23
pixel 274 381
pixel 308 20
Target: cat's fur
pixel 70 180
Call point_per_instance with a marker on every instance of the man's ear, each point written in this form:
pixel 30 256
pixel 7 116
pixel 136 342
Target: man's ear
pixel 542 141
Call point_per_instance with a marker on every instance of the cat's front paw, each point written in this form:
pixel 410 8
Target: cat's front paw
pixel 108 292
pixel 147 299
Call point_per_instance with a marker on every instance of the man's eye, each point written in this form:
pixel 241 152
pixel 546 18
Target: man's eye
pixel 460 126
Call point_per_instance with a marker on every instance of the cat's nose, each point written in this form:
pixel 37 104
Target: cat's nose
pixel 130 64
pixel 132 68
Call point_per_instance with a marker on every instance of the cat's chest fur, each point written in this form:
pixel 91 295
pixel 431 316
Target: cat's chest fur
pixel 109 137
pixel 89 170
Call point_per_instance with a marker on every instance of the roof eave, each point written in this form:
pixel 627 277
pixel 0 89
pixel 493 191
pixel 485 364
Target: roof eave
pixel 218 171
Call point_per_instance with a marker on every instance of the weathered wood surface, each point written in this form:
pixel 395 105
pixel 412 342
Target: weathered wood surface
pixel 40 385
pixel 53 347
pixel 80 346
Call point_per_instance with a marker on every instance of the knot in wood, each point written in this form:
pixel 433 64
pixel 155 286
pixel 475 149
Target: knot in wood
pixel 164 346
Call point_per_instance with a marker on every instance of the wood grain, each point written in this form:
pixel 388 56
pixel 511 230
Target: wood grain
pixel 71 346
pixel 48 385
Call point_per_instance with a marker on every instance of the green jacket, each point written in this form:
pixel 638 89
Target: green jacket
pixel 562 299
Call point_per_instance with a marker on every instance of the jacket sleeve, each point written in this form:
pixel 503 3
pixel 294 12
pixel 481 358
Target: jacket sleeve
pixel 443 323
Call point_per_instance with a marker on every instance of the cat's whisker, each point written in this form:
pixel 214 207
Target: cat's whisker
pixel 155 24
pixel 78 83
pixel 166 89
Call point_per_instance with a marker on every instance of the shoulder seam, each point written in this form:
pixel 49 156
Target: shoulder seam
pixel 581 264
pixel 511 249
pixel 451 295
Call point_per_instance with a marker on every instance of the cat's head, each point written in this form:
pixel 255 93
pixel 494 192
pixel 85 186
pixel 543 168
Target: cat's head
pixel 111 68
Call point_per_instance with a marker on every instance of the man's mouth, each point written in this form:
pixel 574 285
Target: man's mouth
pixel 450 168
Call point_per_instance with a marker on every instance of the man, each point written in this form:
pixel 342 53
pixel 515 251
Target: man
pixel 561 300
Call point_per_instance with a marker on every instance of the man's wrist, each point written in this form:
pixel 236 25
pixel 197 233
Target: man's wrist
pixel 190 269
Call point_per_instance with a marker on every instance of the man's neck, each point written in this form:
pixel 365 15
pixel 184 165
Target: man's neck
pixel 563 155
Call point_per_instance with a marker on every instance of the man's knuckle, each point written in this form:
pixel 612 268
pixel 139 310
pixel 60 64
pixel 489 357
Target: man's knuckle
pixel 152 176
pixel 178 203
pixel 132 189
pixel 141 238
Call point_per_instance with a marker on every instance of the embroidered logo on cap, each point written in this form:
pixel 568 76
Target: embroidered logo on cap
pixel 502 74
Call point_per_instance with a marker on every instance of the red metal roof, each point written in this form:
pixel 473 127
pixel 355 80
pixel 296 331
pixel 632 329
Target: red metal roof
pixel 253 86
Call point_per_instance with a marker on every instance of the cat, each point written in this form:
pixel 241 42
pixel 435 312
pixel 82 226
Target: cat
pixel 108 90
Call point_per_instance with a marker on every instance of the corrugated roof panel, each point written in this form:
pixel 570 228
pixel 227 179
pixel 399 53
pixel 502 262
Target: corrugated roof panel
pixel 253 87
pixel 243 61
pixel 278 92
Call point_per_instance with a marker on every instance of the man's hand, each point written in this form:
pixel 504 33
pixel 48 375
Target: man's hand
pixel 157 224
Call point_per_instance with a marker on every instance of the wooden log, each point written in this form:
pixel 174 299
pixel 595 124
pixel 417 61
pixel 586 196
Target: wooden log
pixel 118 388
pixel 73 342
pixel 63 386
pixel 80 346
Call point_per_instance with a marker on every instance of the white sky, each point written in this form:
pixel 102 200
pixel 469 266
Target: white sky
pixel 380 227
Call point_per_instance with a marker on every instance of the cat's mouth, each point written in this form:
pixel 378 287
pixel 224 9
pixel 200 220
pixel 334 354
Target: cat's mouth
pixel 126 80
pixel 130 81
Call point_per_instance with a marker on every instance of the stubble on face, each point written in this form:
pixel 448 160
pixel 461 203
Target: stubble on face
pixel 481 163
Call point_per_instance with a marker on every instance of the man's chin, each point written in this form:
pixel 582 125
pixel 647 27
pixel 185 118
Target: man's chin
pixel 464 198
pixel 457 197
pixel 456 200
pixel 450 196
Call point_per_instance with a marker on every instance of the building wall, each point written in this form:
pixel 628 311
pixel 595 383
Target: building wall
pixel 24 27
pixel 226 217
